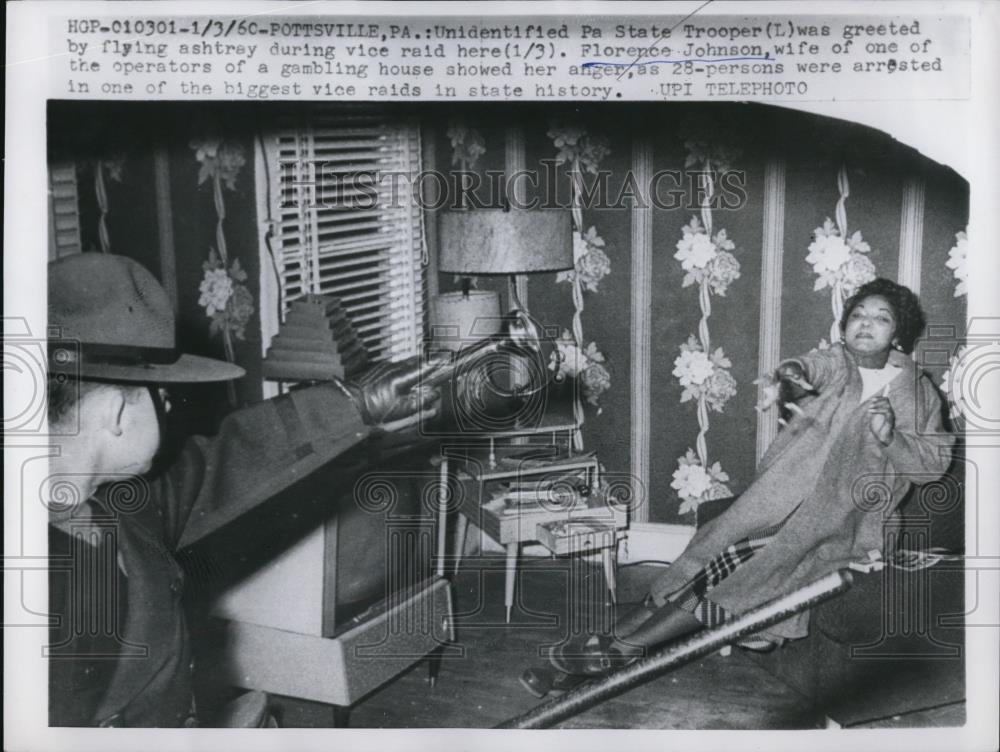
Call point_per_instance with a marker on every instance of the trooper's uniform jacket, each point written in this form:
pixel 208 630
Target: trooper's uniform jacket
pixel 119 652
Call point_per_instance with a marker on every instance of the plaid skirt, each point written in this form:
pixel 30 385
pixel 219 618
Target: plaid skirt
pixel 693 596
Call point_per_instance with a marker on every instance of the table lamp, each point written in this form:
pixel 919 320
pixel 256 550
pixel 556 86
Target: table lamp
pixel 476 242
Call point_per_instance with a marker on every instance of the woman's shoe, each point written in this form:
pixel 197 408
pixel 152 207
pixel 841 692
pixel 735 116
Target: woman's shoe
pixel 565 654
pixel 597 657
pixel 538 681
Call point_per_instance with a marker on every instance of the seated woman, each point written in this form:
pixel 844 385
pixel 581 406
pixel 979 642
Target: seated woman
pixel 867 424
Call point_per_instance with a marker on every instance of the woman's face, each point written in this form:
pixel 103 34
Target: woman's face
pixel 871 326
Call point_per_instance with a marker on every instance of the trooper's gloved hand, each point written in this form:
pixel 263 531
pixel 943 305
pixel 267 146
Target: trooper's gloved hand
pixel 391 396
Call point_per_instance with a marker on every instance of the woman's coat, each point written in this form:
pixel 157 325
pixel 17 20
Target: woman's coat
pixel 836 484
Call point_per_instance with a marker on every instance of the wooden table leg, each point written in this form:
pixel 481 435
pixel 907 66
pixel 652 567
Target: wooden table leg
pixel 442 516
pixel 508 595
pixel 608 557
pixel 460 532
pixel 434 664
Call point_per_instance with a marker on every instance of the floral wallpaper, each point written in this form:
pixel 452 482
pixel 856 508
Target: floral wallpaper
pixel 958 261
pixel 224 294
pixel 582 153
pixel 954 381
pixel 704 374
pixel 839 260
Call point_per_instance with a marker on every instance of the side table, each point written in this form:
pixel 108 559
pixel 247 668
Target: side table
pixel 570 521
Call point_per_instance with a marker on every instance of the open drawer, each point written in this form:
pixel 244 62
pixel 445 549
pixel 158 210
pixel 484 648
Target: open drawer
pixel 577 535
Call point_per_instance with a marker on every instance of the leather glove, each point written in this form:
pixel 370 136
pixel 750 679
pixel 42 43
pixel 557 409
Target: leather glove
pixel 391 396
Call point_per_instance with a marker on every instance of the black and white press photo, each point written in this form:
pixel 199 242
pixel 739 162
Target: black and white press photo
pixel 445 374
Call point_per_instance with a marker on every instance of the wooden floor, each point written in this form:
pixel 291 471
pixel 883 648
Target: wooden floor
pixel 478 682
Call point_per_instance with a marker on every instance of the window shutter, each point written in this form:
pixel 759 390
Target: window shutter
pixel 346 223
pixel 64 211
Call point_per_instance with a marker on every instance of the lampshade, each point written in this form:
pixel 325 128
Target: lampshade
pixel 496 241
pixel 458 319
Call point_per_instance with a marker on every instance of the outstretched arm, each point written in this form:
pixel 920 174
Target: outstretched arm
pixel 262 449
pixel 807 374
pixel 258 451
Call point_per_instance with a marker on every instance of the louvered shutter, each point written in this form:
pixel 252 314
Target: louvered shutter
pixel 346 223
pixel 64 211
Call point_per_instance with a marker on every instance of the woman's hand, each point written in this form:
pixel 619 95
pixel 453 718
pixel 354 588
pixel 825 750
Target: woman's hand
pixel 881 419
pixel 792 383
pixel 793 373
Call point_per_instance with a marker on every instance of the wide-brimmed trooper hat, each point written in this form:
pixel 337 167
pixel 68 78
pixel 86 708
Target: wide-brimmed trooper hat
pixel 110 319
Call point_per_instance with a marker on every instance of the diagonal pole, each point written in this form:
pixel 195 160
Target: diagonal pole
pixel 677 654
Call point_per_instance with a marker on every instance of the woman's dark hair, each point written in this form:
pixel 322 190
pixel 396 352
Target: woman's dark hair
pixel 910 319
